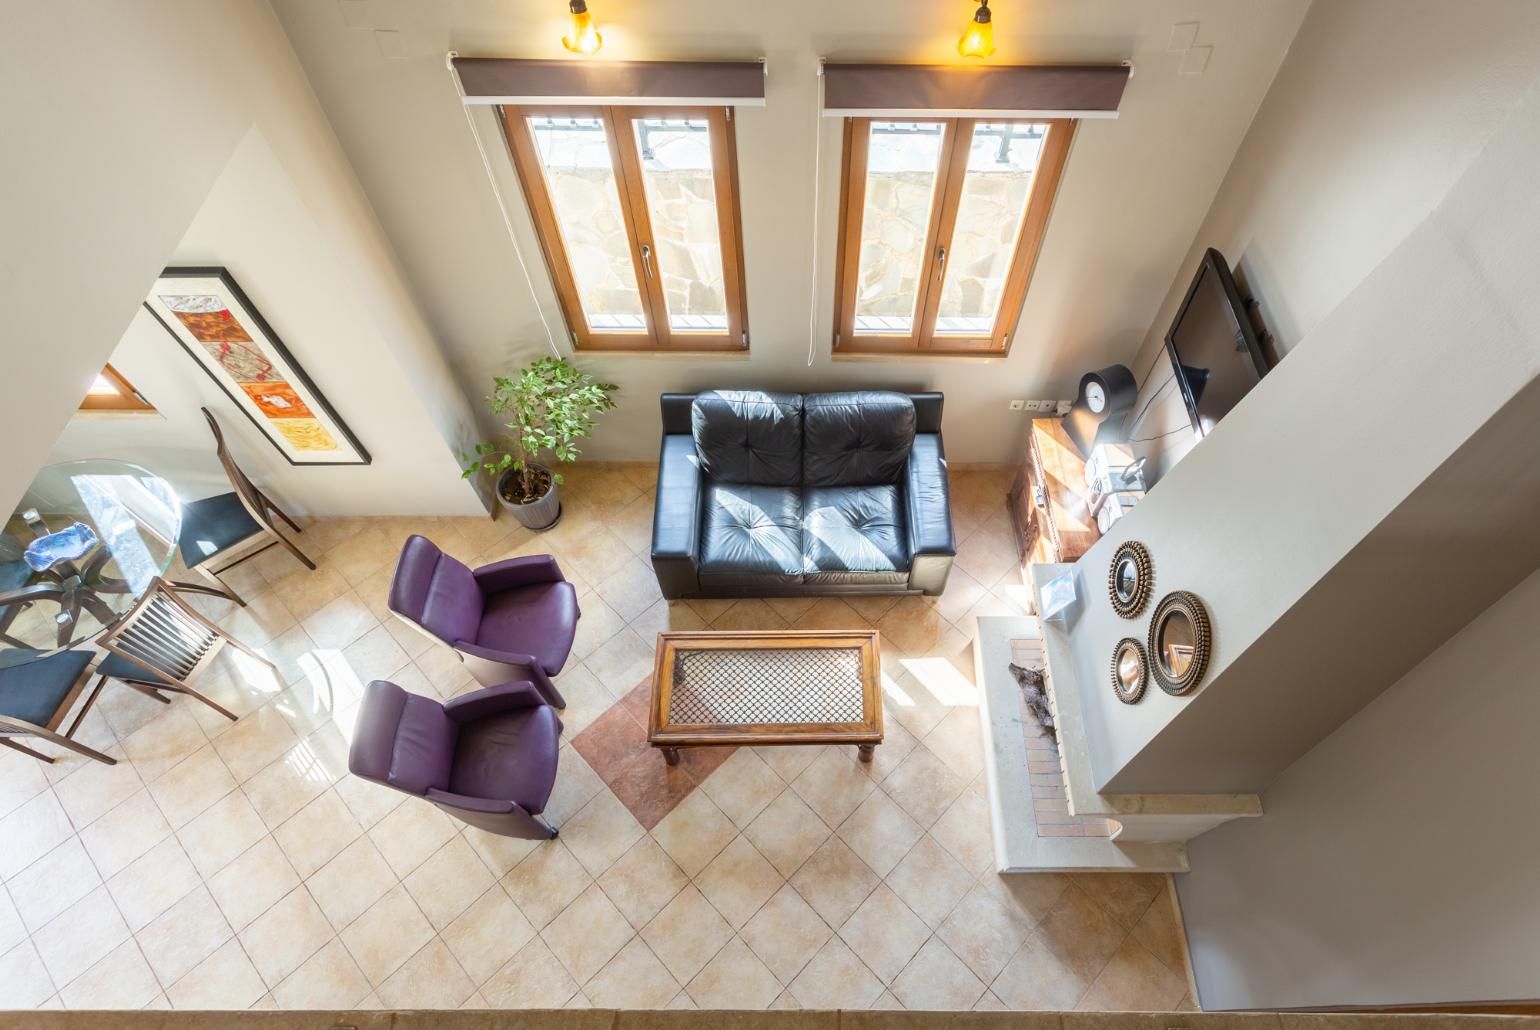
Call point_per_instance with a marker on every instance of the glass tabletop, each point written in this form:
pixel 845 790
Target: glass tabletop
pixel 84 544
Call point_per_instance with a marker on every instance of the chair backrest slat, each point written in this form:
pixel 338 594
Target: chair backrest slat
pixel 251 497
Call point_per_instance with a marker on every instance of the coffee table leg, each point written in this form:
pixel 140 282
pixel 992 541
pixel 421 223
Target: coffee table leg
pixel 866 751
pixel 671 755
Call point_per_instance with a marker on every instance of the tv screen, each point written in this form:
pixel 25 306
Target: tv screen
pixel 1213 349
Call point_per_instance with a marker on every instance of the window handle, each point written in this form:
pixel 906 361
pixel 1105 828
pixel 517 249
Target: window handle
pixel 647 260
pixel 940 262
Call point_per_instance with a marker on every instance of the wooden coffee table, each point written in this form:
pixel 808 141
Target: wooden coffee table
pixel 714 689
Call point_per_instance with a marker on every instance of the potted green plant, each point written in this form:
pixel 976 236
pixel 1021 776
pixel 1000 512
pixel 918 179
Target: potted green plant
pixel 550 406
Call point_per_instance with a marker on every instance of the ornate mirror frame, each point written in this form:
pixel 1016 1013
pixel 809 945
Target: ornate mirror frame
pixel 1183 603
pixel 1126 694
pixel 1144 581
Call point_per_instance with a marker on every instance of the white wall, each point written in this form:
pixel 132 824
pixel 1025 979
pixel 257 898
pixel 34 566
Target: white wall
pixel 1133 192
pixel 1380 107
pixel 119 118
pixel 1395 864
pixel 254 223
pixel 1303 520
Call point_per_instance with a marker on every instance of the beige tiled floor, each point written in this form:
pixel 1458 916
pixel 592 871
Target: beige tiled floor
pixel 226 865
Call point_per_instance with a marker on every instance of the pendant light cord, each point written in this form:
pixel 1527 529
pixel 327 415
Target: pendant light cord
pixel 812 303
pixel 486 164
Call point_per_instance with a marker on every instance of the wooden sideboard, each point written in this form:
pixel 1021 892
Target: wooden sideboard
pixel 1048 503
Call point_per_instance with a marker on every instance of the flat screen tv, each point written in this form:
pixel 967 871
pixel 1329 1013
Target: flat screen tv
pixel 1214 350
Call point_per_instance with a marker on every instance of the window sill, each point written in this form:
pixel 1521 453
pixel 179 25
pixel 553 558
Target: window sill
pixel 734 354
pixel 919 355
pixel 116 413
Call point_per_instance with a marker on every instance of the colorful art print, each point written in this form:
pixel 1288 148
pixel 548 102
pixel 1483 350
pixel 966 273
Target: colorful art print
pixel 207 313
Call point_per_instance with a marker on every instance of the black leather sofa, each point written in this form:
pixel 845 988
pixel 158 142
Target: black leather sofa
pixel 774 494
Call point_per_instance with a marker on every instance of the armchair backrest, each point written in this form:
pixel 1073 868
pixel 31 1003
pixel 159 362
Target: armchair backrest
pixel 856 439
pixel 749 436
pixel 402 740
pixel 436 592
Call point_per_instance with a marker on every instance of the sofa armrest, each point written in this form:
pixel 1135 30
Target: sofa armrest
pixel 518 572
pixel 927 498
pixel 479 704
pixel 676 517
pixel 928 504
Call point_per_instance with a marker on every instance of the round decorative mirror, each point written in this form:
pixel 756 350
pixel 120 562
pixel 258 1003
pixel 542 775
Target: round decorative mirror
pixel 1179 643
pixel 1130 670
pixel 1130 578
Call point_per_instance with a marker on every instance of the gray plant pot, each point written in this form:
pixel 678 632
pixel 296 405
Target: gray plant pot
pixel 538 515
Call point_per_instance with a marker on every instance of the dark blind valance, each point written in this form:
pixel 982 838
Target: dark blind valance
pixel 497 80
pixel 1064 91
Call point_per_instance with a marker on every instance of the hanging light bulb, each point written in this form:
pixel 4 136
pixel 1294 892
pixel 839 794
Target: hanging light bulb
pixel 582 37
pixel 979 39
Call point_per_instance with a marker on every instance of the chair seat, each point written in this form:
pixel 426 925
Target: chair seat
pixel 33 692
pixel 510 756
pixel 540 620
pixel 212 525
pixel 115 666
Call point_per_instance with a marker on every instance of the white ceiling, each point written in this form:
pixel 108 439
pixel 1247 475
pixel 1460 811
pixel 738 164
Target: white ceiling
pixel 1135 189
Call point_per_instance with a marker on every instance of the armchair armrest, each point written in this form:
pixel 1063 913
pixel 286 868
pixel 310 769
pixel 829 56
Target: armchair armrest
pixel 676 517
pixel 488 806
pixel 518 572
pixel 490 700
pixel 497 668
pixel 928 504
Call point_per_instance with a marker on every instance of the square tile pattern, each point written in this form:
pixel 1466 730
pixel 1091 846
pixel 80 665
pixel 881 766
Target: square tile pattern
pixel 233 865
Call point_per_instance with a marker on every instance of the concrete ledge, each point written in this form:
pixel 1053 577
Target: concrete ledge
pixel 608 1019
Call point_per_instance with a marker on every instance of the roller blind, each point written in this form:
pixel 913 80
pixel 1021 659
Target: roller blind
pixel 497 80
pixel 1046 91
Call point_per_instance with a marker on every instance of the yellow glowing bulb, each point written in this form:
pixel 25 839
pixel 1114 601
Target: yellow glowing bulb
pixel 583 38
pixel 979 39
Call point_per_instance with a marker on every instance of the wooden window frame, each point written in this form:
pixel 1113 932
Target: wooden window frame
pixel 127 399
pixel 626 162
pixel 951 168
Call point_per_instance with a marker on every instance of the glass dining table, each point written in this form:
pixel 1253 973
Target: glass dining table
pixel 85 543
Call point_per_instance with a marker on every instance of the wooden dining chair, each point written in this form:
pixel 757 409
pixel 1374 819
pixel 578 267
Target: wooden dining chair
pixel 163 644
pixel 37 691
pixel 240 524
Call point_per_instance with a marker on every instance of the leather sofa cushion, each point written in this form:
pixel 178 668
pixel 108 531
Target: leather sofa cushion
pixel 749 436
pixel 751 531
pixel 855 439
pixel 854 529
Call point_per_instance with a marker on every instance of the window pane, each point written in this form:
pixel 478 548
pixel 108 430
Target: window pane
pixel 901 163
pixel 575 155
pixel 682 206
pixel 1001 162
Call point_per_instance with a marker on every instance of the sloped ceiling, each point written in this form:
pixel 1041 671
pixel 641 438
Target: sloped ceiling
pixel 1134 192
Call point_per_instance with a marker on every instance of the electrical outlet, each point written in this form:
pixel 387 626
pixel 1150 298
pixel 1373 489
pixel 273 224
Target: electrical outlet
pixel 1041 406
pixel 1016 405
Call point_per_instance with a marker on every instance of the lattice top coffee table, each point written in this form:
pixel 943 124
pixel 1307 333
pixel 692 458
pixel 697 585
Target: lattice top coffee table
pixel 766 687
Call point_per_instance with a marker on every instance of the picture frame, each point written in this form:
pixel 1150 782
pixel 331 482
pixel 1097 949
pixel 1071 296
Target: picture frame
pixel 213 320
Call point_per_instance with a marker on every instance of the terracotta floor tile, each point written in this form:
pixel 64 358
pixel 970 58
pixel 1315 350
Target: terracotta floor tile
pixel 611 741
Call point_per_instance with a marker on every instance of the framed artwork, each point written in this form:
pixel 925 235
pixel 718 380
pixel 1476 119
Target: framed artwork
pixel 207 313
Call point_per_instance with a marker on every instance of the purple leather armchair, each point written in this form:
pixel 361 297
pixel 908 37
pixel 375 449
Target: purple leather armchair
pixel 511 620
pixel 487 757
